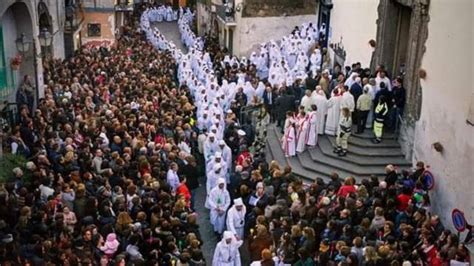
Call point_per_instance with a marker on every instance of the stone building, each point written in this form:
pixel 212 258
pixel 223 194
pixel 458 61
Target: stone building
pixel 430 42
pixel 41 22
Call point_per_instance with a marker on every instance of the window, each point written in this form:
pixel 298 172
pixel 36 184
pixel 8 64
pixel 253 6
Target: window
pixel 93 30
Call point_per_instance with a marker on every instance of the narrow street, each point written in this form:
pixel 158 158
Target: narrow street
pixel 171 32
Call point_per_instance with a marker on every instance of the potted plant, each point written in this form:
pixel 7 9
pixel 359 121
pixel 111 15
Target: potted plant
pixel 16 62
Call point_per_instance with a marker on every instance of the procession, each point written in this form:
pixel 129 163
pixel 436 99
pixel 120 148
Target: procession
pixel 136 148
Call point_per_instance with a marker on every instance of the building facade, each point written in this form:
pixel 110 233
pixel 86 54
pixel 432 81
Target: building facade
pixel 28 17
pixel 250 23
pixel 412 38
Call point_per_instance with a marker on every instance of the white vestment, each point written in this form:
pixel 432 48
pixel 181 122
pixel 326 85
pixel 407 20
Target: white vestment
pixel 347 101
pixel 321 103
pixel 219 200
pixel 312 134
pixel 306 102
pixel 289 139
pixel 302 134
pixel 334 110
pixel 236 221
pixel 227 254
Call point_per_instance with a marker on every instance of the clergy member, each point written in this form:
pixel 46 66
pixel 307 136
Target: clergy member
pixel 312 133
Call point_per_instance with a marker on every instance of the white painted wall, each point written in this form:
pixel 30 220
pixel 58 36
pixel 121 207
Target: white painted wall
pixel 355 22
pixel 251 32
pixel 447 92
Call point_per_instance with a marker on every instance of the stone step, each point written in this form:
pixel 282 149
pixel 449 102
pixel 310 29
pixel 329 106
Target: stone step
pixel 326 148
pixel 364 151
pixel 369 134
pixel 323 170
pixel 367 143
pixel 276 152
pixel 336 163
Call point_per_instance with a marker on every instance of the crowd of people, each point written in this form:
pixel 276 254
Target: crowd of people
pixel 117 147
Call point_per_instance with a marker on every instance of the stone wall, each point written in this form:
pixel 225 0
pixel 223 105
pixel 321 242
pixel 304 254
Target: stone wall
pixel 273 8
pixel 446 96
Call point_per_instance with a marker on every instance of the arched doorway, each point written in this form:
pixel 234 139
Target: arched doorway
pixel 15 21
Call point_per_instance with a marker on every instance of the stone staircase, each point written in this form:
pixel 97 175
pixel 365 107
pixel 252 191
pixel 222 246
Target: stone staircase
pixel 363 159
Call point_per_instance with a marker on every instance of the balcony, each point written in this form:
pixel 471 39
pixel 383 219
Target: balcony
pixel 225 14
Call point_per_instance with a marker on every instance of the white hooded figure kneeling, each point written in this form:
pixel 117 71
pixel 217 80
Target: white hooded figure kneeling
pixel 227 251
pixel 219 201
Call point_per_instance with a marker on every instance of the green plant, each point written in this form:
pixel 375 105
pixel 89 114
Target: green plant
pixel 7 163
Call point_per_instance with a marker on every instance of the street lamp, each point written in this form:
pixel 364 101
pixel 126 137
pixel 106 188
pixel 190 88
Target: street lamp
pixel 45 38
pixel 22 44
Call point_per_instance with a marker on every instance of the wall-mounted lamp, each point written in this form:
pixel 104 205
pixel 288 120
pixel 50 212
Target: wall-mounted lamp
pixel 422 73
pixel 238 7
pixel 438 147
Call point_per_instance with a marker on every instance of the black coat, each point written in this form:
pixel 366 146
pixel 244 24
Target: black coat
pixel 284 103
pixel 266 99
pixel 191 174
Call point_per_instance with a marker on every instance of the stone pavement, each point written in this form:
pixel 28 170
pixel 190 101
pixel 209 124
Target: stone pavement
pixel 171 32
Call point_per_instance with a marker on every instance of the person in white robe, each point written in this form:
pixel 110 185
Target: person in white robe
pixel 169 14
pixel 289 136
pixel 236 218
pixel 372 92
pixel 351 80
pixel 315 61
pixel 219 201
pixel 215 159
pixel 301 62
pixel 307 101
pixel 347 100
pixel 226 152
pixel 382 77
pixel 249 91
pixel 319 98
pixel 334 110
pixel 210 146
pixel 302 128
pixel 312 133
pixel 227 251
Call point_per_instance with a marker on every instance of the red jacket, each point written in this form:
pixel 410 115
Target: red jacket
pixel 402 202
pixel 183 190
pixel 242 157
pixel 346 190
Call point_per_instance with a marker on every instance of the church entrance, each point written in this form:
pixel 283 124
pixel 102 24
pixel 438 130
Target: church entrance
pixel 402 30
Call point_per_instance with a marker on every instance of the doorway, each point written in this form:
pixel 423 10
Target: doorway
pixel 402 38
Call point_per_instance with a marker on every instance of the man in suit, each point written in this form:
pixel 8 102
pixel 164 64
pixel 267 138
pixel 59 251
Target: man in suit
pixel 269 98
